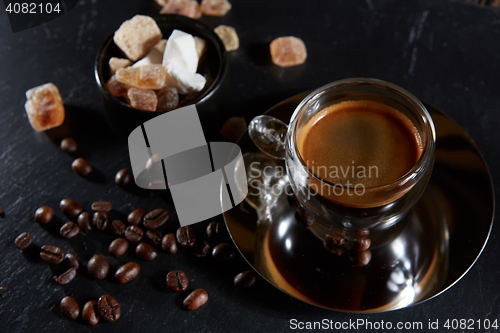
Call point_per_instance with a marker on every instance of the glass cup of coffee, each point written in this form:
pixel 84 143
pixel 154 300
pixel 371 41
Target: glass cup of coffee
pixel 359 154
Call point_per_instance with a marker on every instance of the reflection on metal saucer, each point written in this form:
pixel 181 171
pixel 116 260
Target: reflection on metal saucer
pixel 433 251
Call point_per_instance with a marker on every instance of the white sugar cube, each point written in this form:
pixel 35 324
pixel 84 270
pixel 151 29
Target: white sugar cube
pixel 154 57
pixel 181 49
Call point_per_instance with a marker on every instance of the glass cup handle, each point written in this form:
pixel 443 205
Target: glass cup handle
pixel 269 134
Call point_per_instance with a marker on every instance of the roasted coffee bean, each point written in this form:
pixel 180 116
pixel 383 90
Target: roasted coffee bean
pixel 23 240
pixel 71 260
pixel 360 258
pixel 84 222
pixel 70 307
pixel 44 214
pixel 69 230
pixel 196 299
pixel 177 281
pixel 2 213
pixel 123 177
pixel 201 249
pixel 52 254
pixel 66 277
pixel 135 218
pixel 133 233
pixel 168 243
pixel 186 236
pixel 108 308
pixel 117 227
pixel 304 217
pixel 100 220
pixel 89 313
pixel 223 252
pixel 244 279
pixel 102 206
pixel 70 207
pixel 213 229
pixel 98 267
pixel 154 236
pixel 360 244
pixel 335 239
pixel 156 218
pixel 146 252
pixel 127 272
pixel 338 250
pixel 81 166
pixel 118 247
pixel 68 145
pixel 362 232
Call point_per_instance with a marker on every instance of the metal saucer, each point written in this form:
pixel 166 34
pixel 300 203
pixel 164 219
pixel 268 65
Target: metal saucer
pixel 445 234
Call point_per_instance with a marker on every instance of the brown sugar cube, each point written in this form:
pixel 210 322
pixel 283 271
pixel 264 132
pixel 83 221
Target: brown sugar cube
pixel 116 88
pixel 288 51
pixel 201 46
pixel 44 107
pixel 189 8
pixel 215 7
pixel 144 77
pixel 228 36
pixel 137 36
pixel 116 63
pixel 142 99
pixel 160 46
pixel 168 99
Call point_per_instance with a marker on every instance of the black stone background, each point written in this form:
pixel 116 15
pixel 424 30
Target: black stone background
pixel 446 53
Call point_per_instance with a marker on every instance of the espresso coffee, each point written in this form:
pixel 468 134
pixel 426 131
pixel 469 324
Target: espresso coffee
pixel 359 142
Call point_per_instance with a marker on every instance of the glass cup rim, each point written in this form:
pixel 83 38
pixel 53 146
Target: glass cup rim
pixel 424 113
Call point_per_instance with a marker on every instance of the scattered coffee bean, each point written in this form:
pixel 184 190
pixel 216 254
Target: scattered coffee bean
pixel 89 313
pixel 2 213
pixel 69 230
pixel 118 247
pixel 84 222
pixel 156 218
pixel 117 227
pixel 81 166
pixel 102 206
pixel 68 145
pixel 335 239
pixel 108 308
pixel 154 236
pixel 135 218
pixel 213 229
pixel 71 260
pixel 70 207
pixel 360 244
pixel 186 236
pixel 127 272
pixel 304 217
pixel 146 252
pixel 223 252
pixel 362 232
pixel 244 279
pixel 123 177
pixel 70 307
pixel 133 233
pixel 338 250
pixel 23 240
pixel 52 254
pixel 201 249
pixel 44 214
pixel 177 281
pixel 360 258
pixel 100 220
pixel 196 299
pixel 98 267
pixel 168 243
pixel 66 277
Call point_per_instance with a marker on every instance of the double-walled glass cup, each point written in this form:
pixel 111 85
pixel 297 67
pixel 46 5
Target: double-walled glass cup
pixel 379 212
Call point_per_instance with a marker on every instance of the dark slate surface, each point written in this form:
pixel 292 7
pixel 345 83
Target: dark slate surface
pixel 446 53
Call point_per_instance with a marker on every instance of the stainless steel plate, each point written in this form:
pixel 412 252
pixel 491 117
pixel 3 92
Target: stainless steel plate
pixel 444 236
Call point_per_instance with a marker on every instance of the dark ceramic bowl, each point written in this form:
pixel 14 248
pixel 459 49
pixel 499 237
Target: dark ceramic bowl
pixel 125 118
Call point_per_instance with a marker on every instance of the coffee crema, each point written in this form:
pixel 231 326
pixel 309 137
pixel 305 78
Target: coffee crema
pixel 359 142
